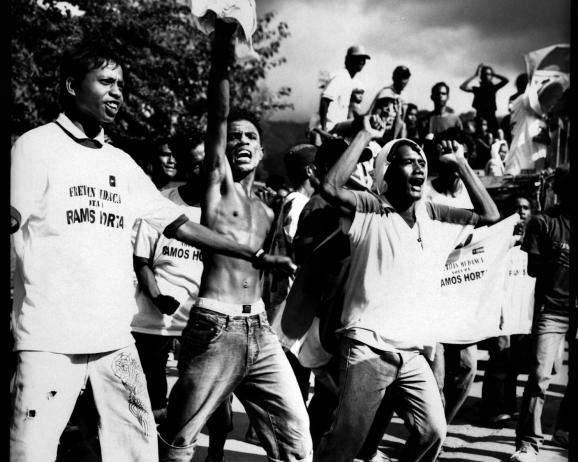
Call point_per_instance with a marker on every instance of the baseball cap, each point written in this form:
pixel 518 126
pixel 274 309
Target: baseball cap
pixel 357 50
pixel 402 72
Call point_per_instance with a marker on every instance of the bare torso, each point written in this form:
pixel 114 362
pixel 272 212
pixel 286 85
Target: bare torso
pixel 245 219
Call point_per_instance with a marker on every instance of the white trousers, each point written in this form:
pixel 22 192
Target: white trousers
pixel 45 388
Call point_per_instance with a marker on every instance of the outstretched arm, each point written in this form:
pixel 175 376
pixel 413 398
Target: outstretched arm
pixel 200 236
pixel 216 166
pixel 333 189
pixel 453 153
pixel 465 86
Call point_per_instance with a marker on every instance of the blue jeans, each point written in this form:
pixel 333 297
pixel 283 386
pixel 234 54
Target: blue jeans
pixel 548 333
pixel 365 376
pixel 223 354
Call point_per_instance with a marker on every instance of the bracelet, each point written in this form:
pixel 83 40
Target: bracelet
pixel 257 256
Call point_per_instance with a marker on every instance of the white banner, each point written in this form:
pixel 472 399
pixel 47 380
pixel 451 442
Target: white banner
pixel 518 302
pixel 473 285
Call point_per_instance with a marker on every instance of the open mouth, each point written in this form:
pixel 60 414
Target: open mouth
pixel 243 155
pixel 112 107
pixel 416 183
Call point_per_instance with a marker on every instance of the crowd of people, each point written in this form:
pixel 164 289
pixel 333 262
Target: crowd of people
pixel 335 282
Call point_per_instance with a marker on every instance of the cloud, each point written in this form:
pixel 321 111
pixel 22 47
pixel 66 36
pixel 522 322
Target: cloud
pixel 436 39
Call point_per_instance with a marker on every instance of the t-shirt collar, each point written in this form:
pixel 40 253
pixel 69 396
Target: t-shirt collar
pixel 75 133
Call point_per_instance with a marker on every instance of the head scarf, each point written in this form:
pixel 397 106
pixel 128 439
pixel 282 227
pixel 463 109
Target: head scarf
pixel 385 157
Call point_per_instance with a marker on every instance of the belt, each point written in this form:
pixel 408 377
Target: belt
pixel 231 309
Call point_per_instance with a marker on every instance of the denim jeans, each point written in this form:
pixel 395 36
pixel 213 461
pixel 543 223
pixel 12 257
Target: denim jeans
pixel 507 359
pixel 223 354
pixel 454 367
pixel 547 335
pixel 365 376
pixel 46 386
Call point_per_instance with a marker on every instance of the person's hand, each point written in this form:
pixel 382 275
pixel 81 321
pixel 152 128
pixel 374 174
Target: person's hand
pixel 325 134
pixel 225 39
pixel 479 69
pixel 451 152
pixel 166 304
pixel 277 263
pixel 373 124
pixel 266 194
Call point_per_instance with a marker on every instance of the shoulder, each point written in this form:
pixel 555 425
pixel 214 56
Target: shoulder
pixel 369 203
pixel 39 137
pixel 447 214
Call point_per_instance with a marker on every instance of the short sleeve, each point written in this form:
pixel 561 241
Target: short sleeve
pixel 150 204
pixel 146 239
pixel 463 220
pixel 335 87
pixel 28 177
pixel 367 206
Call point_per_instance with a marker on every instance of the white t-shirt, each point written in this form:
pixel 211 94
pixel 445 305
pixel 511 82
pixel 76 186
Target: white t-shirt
pixel 73 289
pixel 338 90
pixel 394 281
pixel 282 244
pixel 390 93
pixel 177 268
pixel 526 121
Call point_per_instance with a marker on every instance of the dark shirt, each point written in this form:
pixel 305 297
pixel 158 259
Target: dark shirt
pixel 485 99
pixel 329 262
pixel 547 235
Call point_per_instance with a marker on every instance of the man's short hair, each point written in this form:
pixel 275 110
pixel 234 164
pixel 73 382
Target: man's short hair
pixel 439 85
pixel 243 114
pixel 410 106
pixel 297 159
pixel 401 72
pixel 80 60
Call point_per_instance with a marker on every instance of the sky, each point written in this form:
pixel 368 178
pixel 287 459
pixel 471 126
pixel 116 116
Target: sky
pixel 437 39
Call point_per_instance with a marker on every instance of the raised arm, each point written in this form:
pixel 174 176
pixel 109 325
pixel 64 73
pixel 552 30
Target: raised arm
pixel 332 188
pixel 501 81
pixel 453 153
pixel 465 86
pixel 215 164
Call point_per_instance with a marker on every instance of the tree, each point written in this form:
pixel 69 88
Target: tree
pixel 165 59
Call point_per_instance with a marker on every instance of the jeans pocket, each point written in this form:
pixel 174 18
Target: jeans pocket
pixel 202 330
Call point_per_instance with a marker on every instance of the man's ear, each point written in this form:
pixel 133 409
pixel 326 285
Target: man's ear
pixel 70 86
pixel 310 170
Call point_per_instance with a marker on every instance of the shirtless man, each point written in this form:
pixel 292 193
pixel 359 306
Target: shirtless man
pixel 228 345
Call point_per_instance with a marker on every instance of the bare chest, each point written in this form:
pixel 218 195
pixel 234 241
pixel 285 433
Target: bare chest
pixel 244 220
